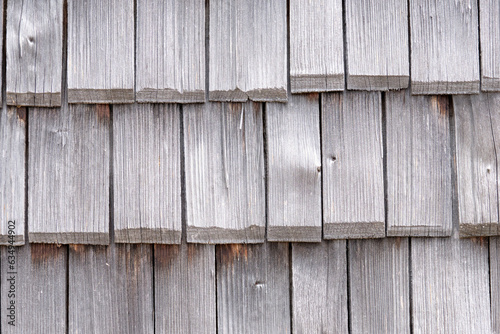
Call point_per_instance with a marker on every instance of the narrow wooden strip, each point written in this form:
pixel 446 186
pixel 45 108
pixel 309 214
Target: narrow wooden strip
pixel 147 177
pixel 419 198
pixel 101 51
pixel 316 46
pixel 253 294
pixel 353 181
pixel 489 19
pixel 495 283
pixel 185 299
pixel 438 30
pixel 294 169
pixel 319 287
pixel 224 159
pixel 69 174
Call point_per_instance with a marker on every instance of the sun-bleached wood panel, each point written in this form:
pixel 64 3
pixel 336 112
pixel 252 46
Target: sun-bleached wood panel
pixel 489 19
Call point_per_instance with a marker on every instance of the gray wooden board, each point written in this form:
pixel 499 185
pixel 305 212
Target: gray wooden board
pixel 146 173
pixel 316 46
pixel 39 286
pixel 377 44
pixel 444 47
pixel 185 299
pixel 12 174
pixel 450 285
pixel 419 197
pixel 294 170
pixel 489 19
pixel 352 154
pixel 319 287
pixel 68 173
pixel 170 51
pixel 495 283
pixel 224 159
pixel 111 289
pixel 253 294
pixel 101 51
pixel 248 50
pixel 34 52
pixel 477 135
pixel 379 283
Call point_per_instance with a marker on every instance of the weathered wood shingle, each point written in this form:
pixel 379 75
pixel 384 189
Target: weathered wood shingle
pixel 489 18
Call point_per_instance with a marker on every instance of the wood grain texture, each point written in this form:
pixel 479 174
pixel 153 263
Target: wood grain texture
pixel 319 288
pixel 495 283
pixel 294 170
pixel 450 286
pixel 34 52
pixel 377 44
pixel 438 30
pixel 38 281
pixel 224 159
pixel 253 293
pixel 477 135
pixel 170 51
pixel 379 275
pixel 12 174
pixel 111 289
pixel 489 19
pixel 316 46
pixel 248 50
pixel 185 299
pixel 68 172
pixel 100 51
pixel 419 197
pixel 353 180
pixel 146 173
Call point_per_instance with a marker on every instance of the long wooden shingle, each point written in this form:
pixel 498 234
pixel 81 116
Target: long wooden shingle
pixel 489 18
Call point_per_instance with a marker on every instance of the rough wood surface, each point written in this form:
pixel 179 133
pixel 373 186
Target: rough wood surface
pixel 111 289
pixel 101 51
pixel 438 30
pixel 12 174
pixel 419 197
pixel 377 44
pixel 253 293
pixel 379 282
pixel 146 173
pixel 185 299
pixel 170 51
pixel 489 18
pixel 319 288
pixel 224 159
pixel 353 180
pixel 495 283
pixel 248 50
pixel 34 52
pixel 477 135
pixel 294 170
pixel 68 173
pixel 316 46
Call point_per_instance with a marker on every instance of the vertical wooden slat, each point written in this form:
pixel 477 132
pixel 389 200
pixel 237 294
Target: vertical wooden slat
pixel 489 19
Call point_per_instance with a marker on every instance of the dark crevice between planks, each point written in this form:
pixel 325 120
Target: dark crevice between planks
pixel 266 169
pixel 320 98
pixel 344 34
pixel 111 192
pixel 207 49
pixel 135 52
pixel 290 287
pixel 479 45
pixel 384 157
pixel 348 286
pixel 288 79
pixel 409 45
pixel 410 290
pixel 453 161
pixel 4 57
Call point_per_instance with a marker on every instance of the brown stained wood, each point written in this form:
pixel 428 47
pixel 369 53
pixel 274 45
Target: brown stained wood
pixel 495 283
pixel 489 19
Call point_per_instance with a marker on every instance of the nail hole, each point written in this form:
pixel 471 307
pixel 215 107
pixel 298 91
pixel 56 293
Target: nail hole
pixel 31 39
pixel 334 158
pixel 318 168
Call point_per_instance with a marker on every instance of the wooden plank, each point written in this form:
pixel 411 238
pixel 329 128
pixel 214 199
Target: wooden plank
pixel 377 44
pixel 450 285
pixel 353 180
pixel 248 50
pixel 224 159
pixel 101 51
pixel 111 289
pixel 34 52
pixel 379 275
pixel 171 51
pixel 68 174
pixel 495 283
pixel 489 19
pixel 12 174
pixel 477 135
pixel 253 293
pixel 294 170
pixel 438 30
pixel 34 289
pixel 147 176
pixel 316 46
pixel 319 290
pixel 185 289
pixel 419 198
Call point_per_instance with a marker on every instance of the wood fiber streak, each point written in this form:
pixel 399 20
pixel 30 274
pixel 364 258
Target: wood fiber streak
pixel 495 283
pixel 489 18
